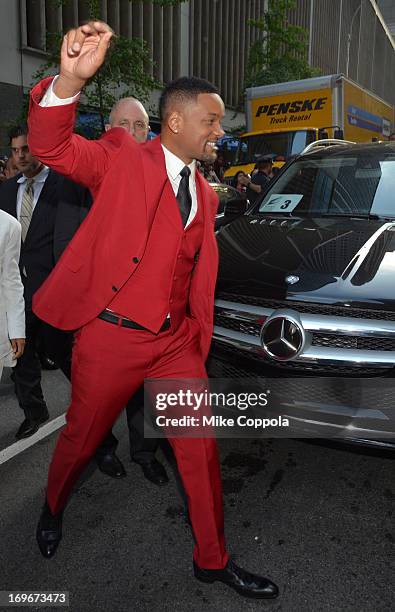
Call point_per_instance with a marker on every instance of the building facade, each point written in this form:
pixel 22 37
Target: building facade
pixel 350 37
pixel 206 38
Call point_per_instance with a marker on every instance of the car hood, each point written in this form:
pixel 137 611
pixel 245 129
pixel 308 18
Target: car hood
pixel 331 260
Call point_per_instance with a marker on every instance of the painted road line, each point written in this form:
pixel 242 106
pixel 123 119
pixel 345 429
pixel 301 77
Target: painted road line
pixel 45 430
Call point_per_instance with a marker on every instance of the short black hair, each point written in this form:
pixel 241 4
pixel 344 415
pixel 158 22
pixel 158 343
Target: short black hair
pixel 17 130
pixel 183 90
pixel 265 159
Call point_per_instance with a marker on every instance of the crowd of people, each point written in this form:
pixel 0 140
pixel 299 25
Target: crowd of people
pixel 109 262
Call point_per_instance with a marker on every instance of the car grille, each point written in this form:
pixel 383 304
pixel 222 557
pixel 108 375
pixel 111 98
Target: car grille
pixel 318 339
pixel 218 369
pixel 354 342
pixel 251 328
pixel 233 363
pixel 307 307
pixel 333 342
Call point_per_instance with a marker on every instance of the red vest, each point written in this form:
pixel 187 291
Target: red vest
pixel 161 283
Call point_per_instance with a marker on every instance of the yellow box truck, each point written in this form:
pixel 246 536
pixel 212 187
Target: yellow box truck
pixel 282 119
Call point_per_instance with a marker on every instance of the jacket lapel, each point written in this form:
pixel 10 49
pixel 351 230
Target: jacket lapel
pixel 208 260
pixel 156 182
pixel 203 200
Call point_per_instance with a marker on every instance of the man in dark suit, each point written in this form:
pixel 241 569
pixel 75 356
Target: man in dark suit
pixel 32 197
pixel 138 282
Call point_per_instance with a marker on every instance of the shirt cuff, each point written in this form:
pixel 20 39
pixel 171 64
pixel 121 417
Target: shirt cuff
pixel 51 99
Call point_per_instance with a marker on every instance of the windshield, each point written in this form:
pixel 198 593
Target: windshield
pixel 280 143
pixel 335 186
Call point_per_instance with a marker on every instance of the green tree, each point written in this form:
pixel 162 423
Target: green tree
pixel 280 54
pixel 127 68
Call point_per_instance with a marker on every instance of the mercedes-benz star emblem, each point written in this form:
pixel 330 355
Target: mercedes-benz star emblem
pixel 291 279
pixel 282 337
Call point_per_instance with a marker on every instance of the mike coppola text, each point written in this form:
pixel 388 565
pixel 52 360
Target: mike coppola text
pixel 175 408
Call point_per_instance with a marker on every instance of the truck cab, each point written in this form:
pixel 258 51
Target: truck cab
pixel 283 118
pixel 282 144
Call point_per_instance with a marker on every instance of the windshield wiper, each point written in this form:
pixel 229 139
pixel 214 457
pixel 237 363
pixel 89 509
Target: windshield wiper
pixel 372 216
pixel 312 214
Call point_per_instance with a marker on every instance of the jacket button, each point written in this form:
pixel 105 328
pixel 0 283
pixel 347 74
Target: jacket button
pixel 136 260
pixel 114 288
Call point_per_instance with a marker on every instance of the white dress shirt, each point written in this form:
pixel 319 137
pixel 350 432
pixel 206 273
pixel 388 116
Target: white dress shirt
pixel 174 164
pixel 38 184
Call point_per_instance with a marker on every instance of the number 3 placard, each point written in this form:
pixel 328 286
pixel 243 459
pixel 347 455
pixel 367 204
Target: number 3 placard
pixel 281 202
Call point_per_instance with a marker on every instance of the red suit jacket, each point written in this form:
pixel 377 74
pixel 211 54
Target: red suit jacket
pixel 128 181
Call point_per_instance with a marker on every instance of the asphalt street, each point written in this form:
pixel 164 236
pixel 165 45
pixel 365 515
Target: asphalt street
pixel 317 520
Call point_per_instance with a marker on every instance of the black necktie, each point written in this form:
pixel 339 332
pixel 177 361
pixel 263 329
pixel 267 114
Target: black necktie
pixel 184 195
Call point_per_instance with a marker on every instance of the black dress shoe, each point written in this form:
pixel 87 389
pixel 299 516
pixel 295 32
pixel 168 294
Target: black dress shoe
pixel 154 471
pixel 49 532
pixel 111 465
pixel 30 426
pixel 249 585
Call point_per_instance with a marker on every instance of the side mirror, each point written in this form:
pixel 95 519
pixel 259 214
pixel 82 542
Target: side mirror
pixel 235 208
pixel 339 134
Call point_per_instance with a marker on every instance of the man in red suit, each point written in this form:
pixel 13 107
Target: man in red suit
pixel 137 280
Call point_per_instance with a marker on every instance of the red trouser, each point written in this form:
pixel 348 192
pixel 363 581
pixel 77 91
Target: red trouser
pixel 109 365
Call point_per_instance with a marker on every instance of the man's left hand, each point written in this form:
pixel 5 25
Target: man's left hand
pixel 18 346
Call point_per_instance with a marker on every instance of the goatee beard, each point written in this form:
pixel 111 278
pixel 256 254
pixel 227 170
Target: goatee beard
pixel 209 157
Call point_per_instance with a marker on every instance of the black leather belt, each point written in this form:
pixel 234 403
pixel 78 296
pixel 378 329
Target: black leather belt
pixel 110 317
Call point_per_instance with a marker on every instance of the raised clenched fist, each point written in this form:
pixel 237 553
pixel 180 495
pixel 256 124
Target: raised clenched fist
pixel 83 52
